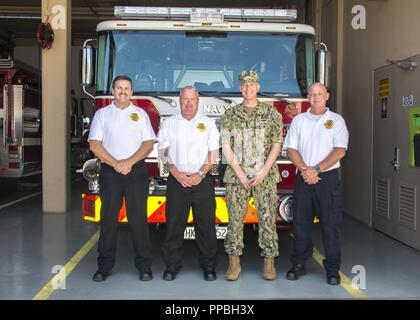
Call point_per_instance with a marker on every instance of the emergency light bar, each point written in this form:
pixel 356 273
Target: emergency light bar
pixel 212 15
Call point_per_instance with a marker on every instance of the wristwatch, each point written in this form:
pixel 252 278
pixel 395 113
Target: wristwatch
pixel 318 169
pixel 202 174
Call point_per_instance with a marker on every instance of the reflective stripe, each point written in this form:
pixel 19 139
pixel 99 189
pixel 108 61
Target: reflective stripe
pixel 156 210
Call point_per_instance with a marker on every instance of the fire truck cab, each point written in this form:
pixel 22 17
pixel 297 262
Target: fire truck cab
pixel 165 49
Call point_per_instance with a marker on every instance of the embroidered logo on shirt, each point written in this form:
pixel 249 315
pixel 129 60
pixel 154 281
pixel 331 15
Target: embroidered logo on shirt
pixel 201 127
pixel 135 117
pixel 329 124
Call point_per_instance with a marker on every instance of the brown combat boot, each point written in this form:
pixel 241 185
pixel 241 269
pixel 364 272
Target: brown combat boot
pixel 234 270
pixel 269 272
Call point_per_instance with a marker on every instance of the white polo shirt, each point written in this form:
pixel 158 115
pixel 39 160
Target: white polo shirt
pixel 315 137
pixel 189 141
pixel 122 131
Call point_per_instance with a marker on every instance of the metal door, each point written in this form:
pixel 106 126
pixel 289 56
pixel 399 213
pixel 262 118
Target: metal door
pixel 395 182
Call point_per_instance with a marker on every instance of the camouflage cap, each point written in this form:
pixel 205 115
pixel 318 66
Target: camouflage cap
pixel 249 76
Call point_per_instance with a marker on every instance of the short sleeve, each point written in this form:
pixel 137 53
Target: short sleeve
pixel 214 137
pixel 341 134
pixel 163 135
pixel 147 132
pixel 292 138
pixel 96 131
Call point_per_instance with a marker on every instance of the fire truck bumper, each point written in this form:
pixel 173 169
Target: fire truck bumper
pixel 91 208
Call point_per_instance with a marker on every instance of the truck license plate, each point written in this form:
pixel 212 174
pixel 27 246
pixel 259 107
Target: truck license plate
pixel 189 233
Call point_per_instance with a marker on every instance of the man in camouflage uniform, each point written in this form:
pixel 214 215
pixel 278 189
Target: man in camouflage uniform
pixel 251 139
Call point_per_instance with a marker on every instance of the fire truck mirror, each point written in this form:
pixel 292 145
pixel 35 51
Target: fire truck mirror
pixel 88 56
pixel 323 67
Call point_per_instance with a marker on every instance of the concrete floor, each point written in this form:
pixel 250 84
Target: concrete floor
pixel 33 244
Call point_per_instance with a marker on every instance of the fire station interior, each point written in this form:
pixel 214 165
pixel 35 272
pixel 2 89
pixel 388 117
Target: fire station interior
pixel 48 252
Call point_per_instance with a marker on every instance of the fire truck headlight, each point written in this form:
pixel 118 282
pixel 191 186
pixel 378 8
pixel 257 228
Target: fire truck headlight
pixel 91 169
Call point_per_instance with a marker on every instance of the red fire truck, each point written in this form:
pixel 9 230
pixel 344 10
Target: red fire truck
pixel 20 120
pixel 164 49
pixel 21 125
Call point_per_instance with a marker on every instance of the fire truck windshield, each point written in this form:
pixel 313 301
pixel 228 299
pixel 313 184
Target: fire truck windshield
pixel 162 62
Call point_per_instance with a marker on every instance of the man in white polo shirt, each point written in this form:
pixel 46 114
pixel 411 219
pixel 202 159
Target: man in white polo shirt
pixel 121 136
pixel 190 143
pixel 315 142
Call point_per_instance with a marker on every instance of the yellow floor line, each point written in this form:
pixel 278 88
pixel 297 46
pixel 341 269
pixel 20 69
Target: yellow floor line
pixel 48 289
pixel 19 200
pixel 345 282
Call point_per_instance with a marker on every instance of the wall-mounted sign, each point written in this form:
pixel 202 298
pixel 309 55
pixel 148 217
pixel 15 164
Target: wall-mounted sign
pixel 408 101
pixel 384 88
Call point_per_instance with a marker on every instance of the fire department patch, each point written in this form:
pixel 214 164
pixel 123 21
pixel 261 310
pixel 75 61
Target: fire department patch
pixel 135 117
pixel 201 127
pixel 329 124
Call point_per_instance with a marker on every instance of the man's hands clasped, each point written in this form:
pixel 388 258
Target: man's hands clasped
pixel 309 175
pixel 123 166
pixel 186 179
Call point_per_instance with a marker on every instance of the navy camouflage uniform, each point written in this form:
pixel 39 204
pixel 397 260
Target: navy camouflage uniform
pixel 251 139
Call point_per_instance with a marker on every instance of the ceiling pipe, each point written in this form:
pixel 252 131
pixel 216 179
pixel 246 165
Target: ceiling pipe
pixel 2 16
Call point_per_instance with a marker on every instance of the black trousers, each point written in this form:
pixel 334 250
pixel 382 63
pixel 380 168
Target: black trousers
pixel 113 187
pixel 324 199
pixel 178 202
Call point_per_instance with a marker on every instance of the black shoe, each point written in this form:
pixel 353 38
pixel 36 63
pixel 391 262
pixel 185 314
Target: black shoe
pixel 210 275
pixel 296 271
pixel 333 279
pixel 146 275
pixel 169 275
pixel 100 276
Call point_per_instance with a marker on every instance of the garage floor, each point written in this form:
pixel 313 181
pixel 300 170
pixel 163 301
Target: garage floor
pixel 33 246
